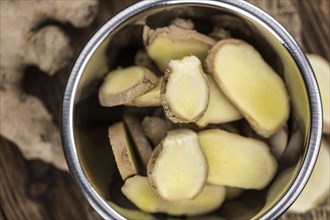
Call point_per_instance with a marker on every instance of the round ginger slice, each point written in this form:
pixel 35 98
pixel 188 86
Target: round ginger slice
pixel 219 109
pixel 138 191
pixel 177 169
pixel 151 98
pixel 237 161
pixel 250 84
pixel 185 92
pixel 171 43
pixel 123 85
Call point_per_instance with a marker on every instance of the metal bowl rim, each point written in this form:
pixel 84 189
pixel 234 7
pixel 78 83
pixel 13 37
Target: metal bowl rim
pixel 67 130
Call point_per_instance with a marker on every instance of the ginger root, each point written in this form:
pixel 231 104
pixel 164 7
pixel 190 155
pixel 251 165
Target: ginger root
pixel 24 119
pixel 156 128
pixel 219 109
pixel 130 213
pixel 142 146
pixel 138 191
pixel 123 85
pixel 141 58
pixel 237 161
pixel 171 43
pixel 186 24
pixel 123 151
pixel 250 84
pixel 185 92
pixel 278 142
pixel 150 98
pixel 177 169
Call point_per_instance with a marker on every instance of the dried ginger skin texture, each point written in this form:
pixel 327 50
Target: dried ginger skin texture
pixel 24 119
pixel 122 150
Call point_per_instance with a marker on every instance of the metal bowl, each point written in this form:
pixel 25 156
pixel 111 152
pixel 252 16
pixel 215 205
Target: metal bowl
pixel 84 121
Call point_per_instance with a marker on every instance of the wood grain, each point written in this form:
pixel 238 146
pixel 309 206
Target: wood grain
pixel 315 17
pixel 35 190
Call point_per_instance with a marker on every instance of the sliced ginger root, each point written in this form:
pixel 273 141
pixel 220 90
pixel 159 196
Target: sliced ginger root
pixel 141 58
pixel 138 191
pixel 150 98
pixel 186 24
pixel 142 146
pixel 123 85
pixel 219 109
pixel 278 142
pixel 173 42
pixel 130 213
pixel 317 188
pixel 237 161
pixel 156 128
pixel 250 84
pixel 321 69
pixel 185 91
pixel 122 151
pixel 177 169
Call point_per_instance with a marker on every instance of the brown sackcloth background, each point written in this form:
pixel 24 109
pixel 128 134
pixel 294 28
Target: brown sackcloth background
pixel 36 190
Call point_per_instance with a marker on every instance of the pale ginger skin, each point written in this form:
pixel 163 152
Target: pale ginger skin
pixel 24 119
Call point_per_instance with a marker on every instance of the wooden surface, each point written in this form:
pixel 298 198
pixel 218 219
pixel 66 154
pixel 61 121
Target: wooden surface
pixel 35 190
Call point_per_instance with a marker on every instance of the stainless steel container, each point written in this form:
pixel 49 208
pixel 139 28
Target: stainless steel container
pixel 84 121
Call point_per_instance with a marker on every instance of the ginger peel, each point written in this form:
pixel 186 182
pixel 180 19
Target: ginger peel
pixel 26 121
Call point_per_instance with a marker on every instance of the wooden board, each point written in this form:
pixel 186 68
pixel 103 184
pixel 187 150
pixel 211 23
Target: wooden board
pixel 35 190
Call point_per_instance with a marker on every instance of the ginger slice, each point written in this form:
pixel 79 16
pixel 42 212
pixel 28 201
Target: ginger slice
pixel 138 191
pixel 122 150
pixel 220 33
pixel 219 109
pixel 177 169
pixel 151 98
pixel 141 58
pixel 205 217
pixel 123 85
pixel 130 213
pixel 156 128
pixel 321 69
pixel 237 161
pixel 142 145
pixel 185 92
pixel 317 188
pixel 250 84
pixel 173 42
pixel 278 142
pixel 186 24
